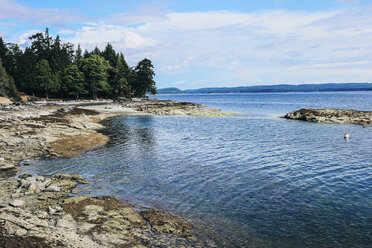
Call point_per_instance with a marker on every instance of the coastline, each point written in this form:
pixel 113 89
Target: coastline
pixel 41 210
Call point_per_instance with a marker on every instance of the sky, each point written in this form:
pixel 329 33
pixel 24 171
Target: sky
pixel 205 43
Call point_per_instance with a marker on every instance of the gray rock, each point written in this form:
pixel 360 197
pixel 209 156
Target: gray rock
pixel 52 188
pixel 24 176
pixel 7 167
pixel 345 116
pixel 17 203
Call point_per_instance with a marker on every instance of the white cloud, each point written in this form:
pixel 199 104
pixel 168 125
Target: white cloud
pixel 259 47
pixel 24 38
pixel 39 16
pixel 121 38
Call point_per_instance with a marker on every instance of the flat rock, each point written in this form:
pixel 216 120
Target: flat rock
pixel 344 116
pixel 17 203
pixel 7 167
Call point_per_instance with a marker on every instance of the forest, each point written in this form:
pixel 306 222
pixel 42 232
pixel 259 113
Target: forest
pixel 52 69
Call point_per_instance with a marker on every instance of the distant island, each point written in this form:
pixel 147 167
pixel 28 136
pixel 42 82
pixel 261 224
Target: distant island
pixel 274 88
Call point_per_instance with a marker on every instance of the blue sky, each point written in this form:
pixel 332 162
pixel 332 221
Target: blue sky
pixel 207 43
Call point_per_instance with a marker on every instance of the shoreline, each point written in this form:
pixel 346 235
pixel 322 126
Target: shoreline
pixel 42 210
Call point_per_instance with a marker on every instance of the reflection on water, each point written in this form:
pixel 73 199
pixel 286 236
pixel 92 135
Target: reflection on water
pixel 247 182
pixel 121 132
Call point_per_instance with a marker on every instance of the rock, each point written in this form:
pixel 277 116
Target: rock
pixel 66 222
pixel 165 223
pixel 51 210
pixel 71 177
pixel 3 204
pixel 17 203
pixel 24 176
pixel 42 215
pixel 26 162
pixel 75 191
pixel 53 188
pixel 7 167
pixel 345 116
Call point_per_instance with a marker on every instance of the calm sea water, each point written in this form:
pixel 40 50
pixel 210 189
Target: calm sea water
pixel 248 180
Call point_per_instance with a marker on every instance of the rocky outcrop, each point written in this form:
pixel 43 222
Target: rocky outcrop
pixel 166 107
pixel 39 209
pixel 345 116
pixel 29 132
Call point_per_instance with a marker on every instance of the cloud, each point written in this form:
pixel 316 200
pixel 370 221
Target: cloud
pixel 24 38
pixel 38 16
pixel 142 14
pixel 228 46
pixel 122 38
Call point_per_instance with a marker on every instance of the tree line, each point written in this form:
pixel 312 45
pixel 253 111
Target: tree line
pixel 50 68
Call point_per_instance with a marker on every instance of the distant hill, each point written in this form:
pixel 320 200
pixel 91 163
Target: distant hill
pixel 170 91
pixel 275 88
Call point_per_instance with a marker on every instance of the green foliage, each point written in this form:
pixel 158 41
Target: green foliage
pixel 78 53
pixel 73 82
pixel 122 66
pixel 122 89
pixel 95 72
pixel 49 83
pixel 7 85
pixel 142 78
pixel 109 54
pixel 28 73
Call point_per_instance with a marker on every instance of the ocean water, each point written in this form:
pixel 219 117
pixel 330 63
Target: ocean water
pixel 247 180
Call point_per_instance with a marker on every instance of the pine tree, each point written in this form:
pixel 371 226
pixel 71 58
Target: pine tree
pixel 110 55
pixel 28 72
pixel 7 85
pixel 122 67
pixel 42 45
pixel 95 73
pixel 49 83
pixel 96 51
pixel 142 79
pixel 78 53
pixel 73 82
pixel 86 54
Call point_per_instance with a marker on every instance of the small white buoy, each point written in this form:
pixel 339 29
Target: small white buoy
pixel 346 135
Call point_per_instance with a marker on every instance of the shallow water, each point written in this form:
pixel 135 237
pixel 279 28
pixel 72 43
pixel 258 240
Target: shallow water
pixel 248 180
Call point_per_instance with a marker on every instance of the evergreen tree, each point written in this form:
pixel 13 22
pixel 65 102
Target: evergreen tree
pixel 3 51
pixel 56 56
pixel 122 67
pixel 122 88
pixel 95 73
pixel 96 51
pixel 78 53
pixel 110 55
pixel 7 86
pixel 28 72
pixel 46 68
pixel 73 82
pixel 86 54
pixel 12 58
pixel 142 79
pixel 42 45
pixel 49 83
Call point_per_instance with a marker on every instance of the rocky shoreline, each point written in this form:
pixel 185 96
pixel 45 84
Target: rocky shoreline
pixel 343 116
pixel 167 107
pixel 43 211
